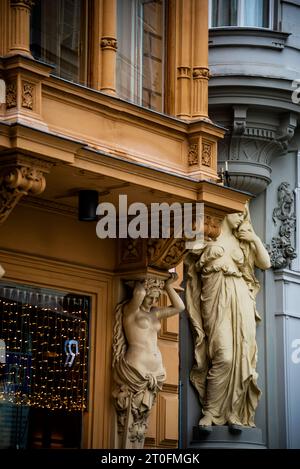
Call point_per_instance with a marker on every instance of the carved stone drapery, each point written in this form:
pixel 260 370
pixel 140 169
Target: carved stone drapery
pixel 20 176
pixel 281 250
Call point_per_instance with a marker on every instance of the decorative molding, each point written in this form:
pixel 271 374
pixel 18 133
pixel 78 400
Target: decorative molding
pixel 239 120
pixel 165 253
pixel 183 72
pixel 27 95
pixel 193 154
pixel 201 72
pixel 109 43
pixel 250 148
pixel 206 154
pixel 22 3
pixel 281 250
pixel 286 130
pixel 11 94
pixel 20 176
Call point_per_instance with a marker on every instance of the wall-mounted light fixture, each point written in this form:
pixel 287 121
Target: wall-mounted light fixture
pixel 87 205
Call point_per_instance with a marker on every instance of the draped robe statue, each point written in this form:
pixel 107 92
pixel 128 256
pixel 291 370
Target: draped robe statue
pixel 220 296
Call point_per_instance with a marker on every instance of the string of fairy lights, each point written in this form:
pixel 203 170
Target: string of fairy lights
pixel 44 348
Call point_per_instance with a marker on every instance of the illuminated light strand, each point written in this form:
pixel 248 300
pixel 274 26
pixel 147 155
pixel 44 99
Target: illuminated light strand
pixel 32 333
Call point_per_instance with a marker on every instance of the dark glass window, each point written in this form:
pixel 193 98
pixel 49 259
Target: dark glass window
pixel 244 13
pixel 141 51
pixel 43 367
pixel 58 37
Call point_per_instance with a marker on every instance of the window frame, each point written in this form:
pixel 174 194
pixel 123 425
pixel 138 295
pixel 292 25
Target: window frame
pixel 135 95
pixel 240 16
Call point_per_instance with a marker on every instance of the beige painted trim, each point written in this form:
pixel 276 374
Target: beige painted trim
pixel 80 279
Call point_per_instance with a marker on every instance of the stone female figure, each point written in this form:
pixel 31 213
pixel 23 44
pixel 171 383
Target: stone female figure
pixel 137 362
pixel 220 295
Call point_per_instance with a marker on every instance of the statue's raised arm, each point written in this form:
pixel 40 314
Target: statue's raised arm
pixel 138 368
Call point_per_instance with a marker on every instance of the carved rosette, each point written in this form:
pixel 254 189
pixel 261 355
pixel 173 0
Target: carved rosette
pixel 281 250
pixel 109 43
pixel 18 180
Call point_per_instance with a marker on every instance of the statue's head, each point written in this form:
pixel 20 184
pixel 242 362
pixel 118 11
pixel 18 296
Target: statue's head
pixel 153 289
pixel 234 220
pixel 240 220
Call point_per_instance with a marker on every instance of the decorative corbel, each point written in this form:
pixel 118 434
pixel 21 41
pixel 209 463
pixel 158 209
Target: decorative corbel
pixel 239 119
pixel 20 176
pixel 286 130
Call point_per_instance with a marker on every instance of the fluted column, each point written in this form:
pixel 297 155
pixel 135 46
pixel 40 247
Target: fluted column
pixel 200 59
pixel 183 78
pixel 20 27
pixel 4 27
pixel 109 46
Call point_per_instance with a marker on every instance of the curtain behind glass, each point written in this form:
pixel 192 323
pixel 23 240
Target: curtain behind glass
pixel 256 13
pixel 224 13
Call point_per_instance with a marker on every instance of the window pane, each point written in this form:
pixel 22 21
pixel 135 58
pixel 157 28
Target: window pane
pixel 140 56
pixel 43 366
pixel 224 13
pixel 56 36
pixel 256 13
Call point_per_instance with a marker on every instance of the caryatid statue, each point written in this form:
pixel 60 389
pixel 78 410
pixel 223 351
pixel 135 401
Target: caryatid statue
pixel 137 362
pixel 220 296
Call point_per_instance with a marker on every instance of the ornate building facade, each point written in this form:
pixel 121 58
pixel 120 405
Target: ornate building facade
pixel 254 52
pixel 109 97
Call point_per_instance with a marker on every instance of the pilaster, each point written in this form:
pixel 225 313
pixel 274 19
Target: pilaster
pixel 108 46
pixel 200 59
pixel 183 58
pixel 4 26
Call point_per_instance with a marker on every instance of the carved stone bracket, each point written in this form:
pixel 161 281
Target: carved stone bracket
pixel 250 148
pixel 20 176
pixel 281 250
